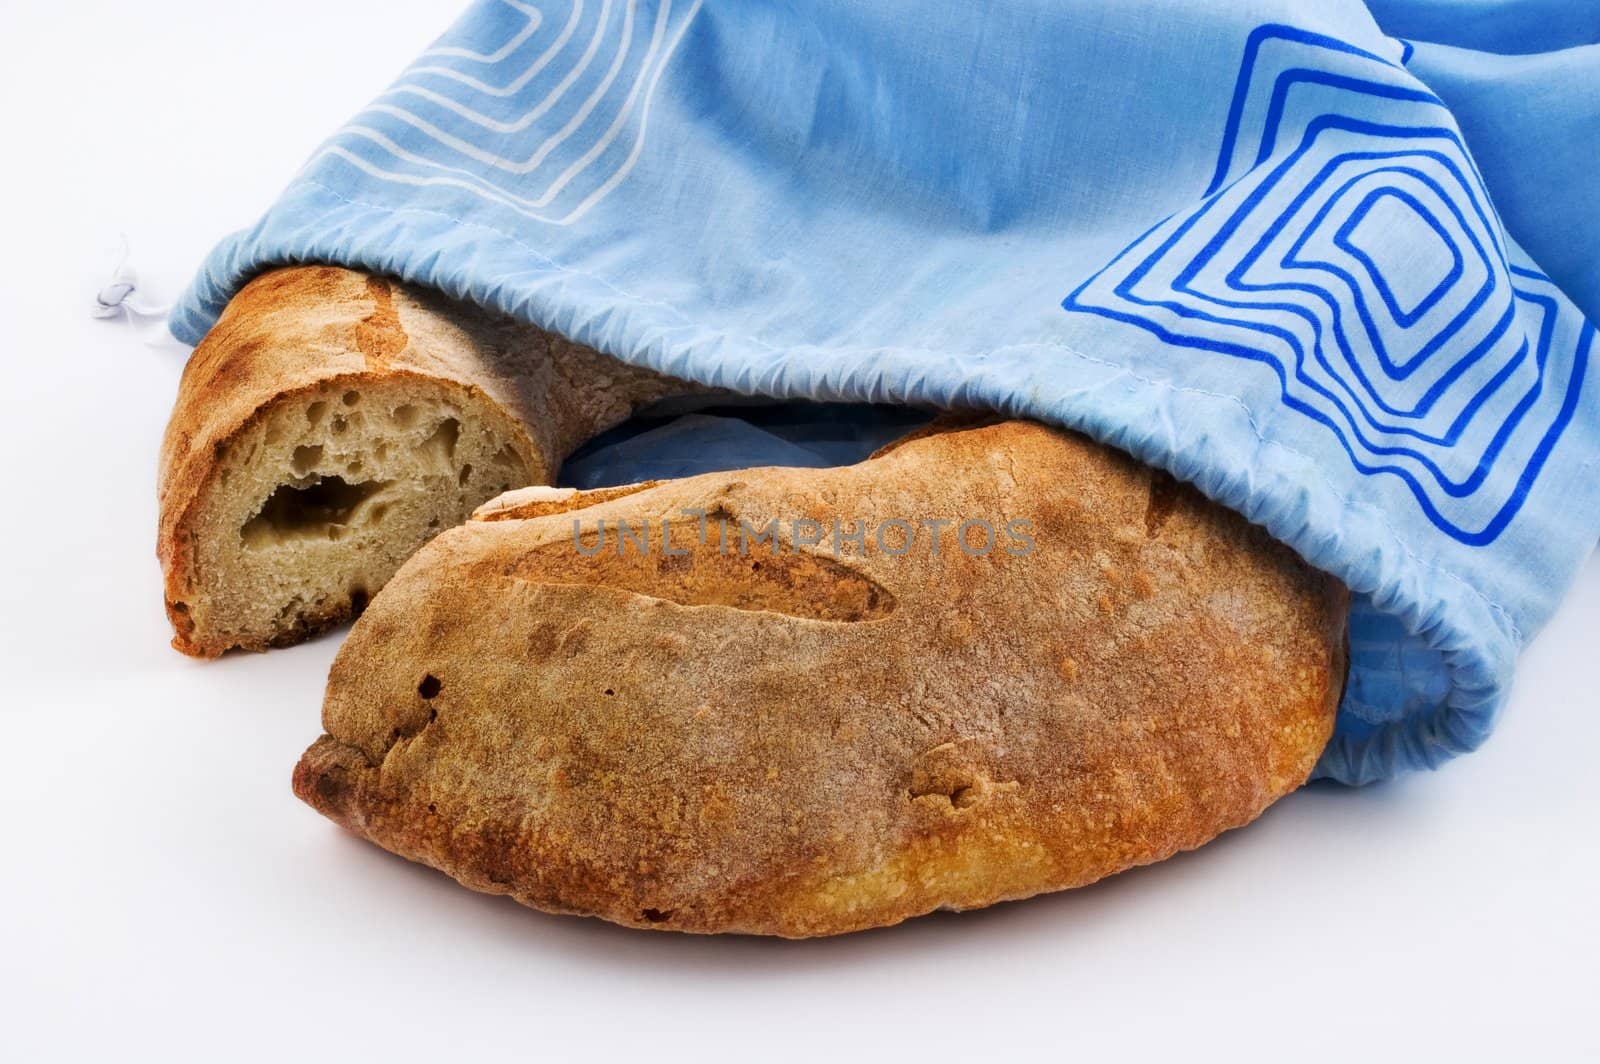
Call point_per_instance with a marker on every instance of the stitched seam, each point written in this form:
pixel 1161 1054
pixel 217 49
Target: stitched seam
pixel 1348 503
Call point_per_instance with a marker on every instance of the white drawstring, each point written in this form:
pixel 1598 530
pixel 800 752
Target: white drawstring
pixel 115 299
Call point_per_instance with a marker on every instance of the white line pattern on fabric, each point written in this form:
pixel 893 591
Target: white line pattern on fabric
pixel 556 139
pixel 516 85
pixel 422 171
pixel 538 110
pixel 535 19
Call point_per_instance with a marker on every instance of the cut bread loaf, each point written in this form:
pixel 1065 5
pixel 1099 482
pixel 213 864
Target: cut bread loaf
pixel 702 731
pixel 332 423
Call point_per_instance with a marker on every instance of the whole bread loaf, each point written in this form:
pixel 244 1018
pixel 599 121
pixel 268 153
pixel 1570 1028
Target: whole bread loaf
pixel 799 735
pixel 334 421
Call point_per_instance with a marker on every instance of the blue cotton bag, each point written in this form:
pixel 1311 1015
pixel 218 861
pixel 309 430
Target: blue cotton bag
pixel 1328 263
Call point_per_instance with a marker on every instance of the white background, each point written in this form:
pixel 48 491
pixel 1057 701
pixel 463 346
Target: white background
pixel 164 895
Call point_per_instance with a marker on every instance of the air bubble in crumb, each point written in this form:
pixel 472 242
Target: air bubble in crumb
pixel 305 459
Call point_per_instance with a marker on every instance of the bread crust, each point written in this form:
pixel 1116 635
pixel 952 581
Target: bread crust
pixel 298 330
pixel 807 743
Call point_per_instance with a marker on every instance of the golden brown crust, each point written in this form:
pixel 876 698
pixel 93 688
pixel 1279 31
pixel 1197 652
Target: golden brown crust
pixel 807 744
pixel 294 331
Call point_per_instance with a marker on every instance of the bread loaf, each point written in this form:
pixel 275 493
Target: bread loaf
pixel 331 423
pixel 797 736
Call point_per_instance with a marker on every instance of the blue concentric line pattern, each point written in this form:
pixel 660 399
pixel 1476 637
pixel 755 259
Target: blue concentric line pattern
pixel 544 121
pixel 1346 242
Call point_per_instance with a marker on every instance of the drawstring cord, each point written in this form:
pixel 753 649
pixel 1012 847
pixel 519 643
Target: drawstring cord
pixel 115 299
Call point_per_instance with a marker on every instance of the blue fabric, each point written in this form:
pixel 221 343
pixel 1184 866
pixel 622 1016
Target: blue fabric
pixel 1268 247
pixel 653 446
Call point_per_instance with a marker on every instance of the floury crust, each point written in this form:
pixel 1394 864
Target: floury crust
pixel 808 742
